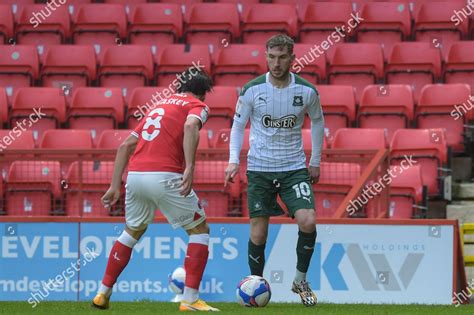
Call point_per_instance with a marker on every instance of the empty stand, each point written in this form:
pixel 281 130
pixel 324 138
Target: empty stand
pixel 19 67
pixel 356 64
pixel 389 107
pixel 237 64
pixel 415 64
pixel 15 139
pixel 112 139
pixel 221 101
pixel 6 24
pixel 154 23
pixel 360 139
pixel 407 195
pixel 447 106
pixel 459 67
pixel 307 65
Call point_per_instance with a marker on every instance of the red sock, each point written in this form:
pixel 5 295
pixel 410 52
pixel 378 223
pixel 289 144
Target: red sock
pixel 195 263
pixel 118 260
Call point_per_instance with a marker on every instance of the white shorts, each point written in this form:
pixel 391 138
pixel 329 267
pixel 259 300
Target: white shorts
pixel 148 191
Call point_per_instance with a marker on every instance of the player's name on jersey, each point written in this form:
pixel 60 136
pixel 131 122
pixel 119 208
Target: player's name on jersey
pixel 173 101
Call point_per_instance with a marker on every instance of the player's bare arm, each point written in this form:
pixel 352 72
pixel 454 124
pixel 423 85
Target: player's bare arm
pixel 124 153
pixel 190 143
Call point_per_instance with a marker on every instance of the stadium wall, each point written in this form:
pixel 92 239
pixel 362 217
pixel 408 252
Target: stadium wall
pixel 355 260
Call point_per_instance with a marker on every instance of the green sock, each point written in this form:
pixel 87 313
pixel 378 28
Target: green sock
pixel 256 258
pixel 304 250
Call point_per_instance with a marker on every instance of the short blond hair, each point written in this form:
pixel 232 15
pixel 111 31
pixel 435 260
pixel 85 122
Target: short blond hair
pixel 281 40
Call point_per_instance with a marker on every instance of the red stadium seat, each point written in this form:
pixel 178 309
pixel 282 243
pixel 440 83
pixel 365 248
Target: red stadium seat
pixel 360 139
pixel 19 67
pixel 384 23
pixel 68 67
pixel 96 177
pixel 307 144
pixel 113 138
pixel 216 200
pixel 127 67
pixel 319 21
pixel 339 108
pixel 3 106
pixel 204 142
pixel 143 99
pixel 38 25
pixel 32 188
pixel 307 65
pixel 6 24
pixel 435 109
pixel 38 108
pixel 434 24
pixel 415 64
pixel 66 139
pixel 176 58
pixel 459 67
pixel 356 64
pixel 154 23
pixel 215 24
pixel 221 101
pixel 237 64
pixel 389 107
pixel 99 25
pixel 406 193
pixel 15 139
pixel 96 109
pixel 263 20
pixel 428 148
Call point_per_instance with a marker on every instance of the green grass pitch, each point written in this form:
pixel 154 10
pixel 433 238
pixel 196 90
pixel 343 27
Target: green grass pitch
pixel 147 307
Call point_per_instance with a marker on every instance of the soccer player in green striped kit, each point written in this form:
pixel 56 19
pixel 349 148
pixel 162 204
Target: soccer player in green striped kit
pixel 276 103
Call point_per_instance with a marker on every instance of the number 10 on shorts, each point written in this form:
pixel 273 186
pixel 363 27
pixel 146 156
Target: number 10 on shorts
pixel 302 190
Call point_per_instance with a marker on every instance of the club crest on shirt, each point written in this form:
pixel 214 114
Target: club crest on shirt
pixel 297 100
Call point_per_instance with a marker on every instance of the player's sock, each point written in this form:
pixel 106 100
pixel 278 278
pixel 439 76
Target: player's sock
pixel 118 260
pixel 194 264
pixel 304 252
pixel 256 256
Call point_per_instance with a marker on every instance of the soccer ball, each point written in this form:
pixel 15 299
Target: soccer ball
pixel 176 280
pixel 253 291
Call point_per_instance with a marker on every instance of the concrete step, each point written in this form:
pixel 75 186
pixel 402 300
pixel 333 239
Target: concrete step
pixel 462 211
pixel 463 191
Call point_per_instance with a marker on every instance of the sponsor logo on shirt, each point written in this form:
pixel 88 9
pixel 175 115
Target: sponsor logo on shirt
pixel 288 121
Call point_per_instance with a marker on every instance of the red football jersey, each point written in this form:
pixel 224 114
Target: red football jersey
pixel 160 134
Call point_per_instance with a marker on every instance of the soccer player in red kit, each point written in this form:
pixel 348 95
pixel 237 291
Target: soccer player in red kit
pixel 160 154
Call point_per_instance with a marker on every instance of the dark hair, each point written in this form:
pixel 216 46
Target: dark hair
pixel 196 81
pixel 281 41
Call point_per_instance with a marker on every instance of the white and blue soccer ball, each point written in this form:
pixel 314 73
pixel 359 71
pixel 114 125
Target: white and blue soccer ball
pixel 253 291
pixel 176 280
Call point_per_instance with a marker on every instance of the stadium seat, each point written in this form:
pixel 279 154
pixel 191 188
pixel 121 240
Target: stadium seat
pixel 6 24
pixel 237 64
pixel 176 58
pixel 415 64
pixel 434 24
pixel 127 67
pixel 437 109
pixel 15 140
pixel 19 67
pixel 360 139
pixel 384 23
pixel 39 109
pixel 100 25
pixel 428 148
pixel 320 19
pixel 96 109
pixel 407 195
pixel 263 20
pixel 113 138
pixel 356 64
pixel 154 23
pixel 221 101
pixel 215 24
pixel 141 100
pixel 307 65
pixel 389 107
pixel 459 67
pixel 216 200
pixel 339 108
pixel 32 188
pixel 222 142
pixel 68 67
pixel 39 25
pixel 3 107
pixel 95 177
